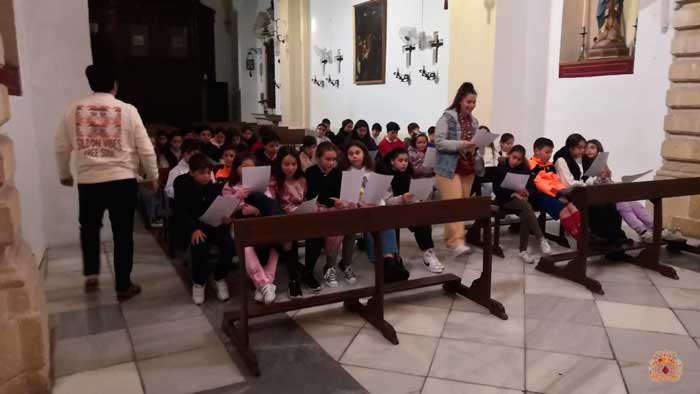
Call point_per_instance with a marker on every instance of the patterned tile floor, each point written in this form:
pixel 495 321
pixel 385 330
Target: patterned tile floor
pixel 559 337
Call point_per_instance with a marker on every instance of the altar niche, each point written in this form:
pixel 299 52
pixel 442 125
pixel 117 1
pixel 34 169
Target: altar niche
pixel 598 37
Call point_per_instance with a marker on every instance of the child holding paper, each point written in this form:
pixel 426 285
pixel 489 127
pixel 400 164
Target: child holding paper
pixel 229 157
pixel 571 165
pixel 416 153
pixel 323 182
pixel 398 165
pixel 255 204
pixel 518 200
pixel 194 193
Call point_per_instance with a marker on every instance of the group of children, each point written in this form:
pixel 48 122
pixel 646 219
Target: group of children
pixel 315 172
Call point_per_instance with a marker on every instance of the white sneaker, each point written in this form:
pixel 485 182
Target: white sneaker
pixel 432 263
pixel 350 275
pixel 672 236
pixel 525 256
pixel 258 296
pixel 222 290
pixel 198 294
pixel 461 250
pixel 331 278
pixel 269 292
pixel 544 247
pixel 647 237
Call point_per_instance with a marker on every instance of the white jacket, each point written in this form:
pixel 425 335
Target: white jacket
pixel 109 140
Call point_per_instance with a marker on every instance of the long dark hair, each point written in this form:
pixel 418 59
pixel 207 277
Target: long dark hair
pixel 367 161
pixel 573 140
pixel 234 178
pixel 597 144
pixel 415 137
pixel 466 89
pixel 277 172
pixel 345 123
pixel 385 167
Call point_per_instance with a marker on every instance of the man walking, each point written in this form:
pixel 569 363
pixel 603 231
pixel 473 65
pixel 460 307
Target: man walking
pixel 111 145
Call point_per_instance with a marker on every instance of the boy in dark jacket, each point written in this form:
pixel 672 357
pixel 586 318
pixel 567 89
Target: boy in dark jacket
pixel 518 200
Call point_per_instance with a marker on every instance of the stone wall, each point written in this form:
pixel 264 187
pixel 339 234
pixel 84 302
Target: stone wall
pixel 24 338
pixel 681 150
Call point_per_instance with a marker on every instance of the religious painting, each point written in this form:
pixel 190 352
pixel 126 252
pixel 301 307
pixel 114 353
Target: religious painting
pixel 9 73
pixel 370 42
pixel 139 42
pixel 178 41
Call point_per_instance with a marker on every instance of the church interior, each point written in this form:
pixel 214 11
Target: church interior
pixel 494 281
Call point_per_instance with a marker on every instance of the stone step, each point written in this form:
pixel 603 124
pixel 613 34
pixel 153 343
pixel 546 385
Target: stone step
pixel 683 122
pixel 4 105
pixel 683 70
pixel 688 17
pixel 7 161
pixel 689 227
pixel 683 96
pixel 686 43
pixel 10 216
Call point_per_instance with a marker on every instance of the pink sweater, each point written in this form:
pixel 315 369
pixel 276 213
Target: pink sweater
pixel 294 194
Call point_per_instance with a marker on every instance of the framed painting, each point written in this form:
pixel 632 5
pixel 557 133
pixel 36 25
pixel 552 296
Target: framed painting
pixel 370 42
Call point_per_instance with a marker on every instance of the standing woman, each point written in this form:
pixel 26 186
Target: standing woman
pixel 454 168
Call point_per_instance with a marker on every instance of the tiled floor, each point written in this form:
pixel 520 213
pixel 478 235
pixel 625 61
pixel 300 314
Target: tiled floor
pixel 559 337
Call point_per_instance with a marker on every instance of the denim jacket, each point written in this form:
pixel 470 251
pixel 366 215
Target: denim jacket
pixel 448 143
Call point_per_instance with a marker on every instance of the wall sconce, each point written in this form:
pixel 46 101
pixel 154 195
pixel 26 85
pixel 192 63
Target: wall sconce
pixel 317 82
pixel 333 82
pixel 402 77
pixel 430 76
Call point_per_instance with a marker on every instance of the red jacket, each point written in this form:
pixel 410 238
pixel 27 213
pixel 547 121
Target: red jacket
pixel 385 147
pixel 545 177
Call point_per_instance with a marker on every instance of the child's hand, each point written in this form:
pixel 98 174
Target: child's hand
pixel 517 196
pixel 226 220
pixel 198 237
pixel 249 210
pixel 524 194
pixel 338 203
pixel 352 205
pixel 244 192
pixel 407 197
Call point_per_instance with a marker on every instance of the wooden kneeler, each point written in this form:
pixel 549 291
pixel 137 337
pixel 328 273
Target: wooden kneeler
pixel 278 229
pixel 585 197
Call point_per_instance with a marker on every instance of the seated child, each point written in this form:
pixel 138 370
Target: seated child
pixel 397 164
pixel 195 193
pixel 306 154
pixel 248 138
pixel 271 144
pixel 518 200
pixel 431 136
pixel 173 151
pixel 416 153
pixel 229 158
pixel 413 129
pixel 237 141
pixel 253 204
pixel 376 132
pixel 505 145
pixel 189 148
pixel 549 187
pixel 208 148
pixel 391 141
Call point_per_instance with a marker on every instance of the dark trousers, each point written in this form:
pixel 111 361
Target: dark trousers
pixel 424 237
pixel 221 237
pixel 118 198
pixel 312 252
pixel 606 222
pixel 290 257
pixel 528 221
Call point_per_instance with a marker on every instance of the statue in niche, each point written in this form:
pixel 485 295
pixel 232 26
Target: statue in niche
pixel 611 37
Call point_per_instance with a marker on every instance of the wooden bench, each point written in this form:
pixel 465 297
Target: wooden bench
pixel 279 229
pixel 585 197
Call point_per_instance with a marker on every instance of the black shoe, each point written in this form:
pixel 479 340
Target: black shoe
pixel 311 283
pixel 92 285
pixel 294 290
pixel 129 293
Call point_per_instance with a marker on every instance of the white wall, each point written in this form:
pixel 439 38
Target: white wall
pixel 54 49
pixel 421 102
pixel 625 112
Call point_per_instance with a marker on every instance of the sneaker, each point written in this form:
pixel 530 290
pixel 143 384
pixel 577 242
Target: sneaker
pixel 129 293
pixel 525 256
pixel 330 277
pixel 269 292
pixel 461 250
pixel 431 262
pixel 294 290
pixel 257 296
pixel 647 237
pixel 311 282
pixel 672 236
pixel 544 247
pixel 349 275
pixel 222 290
pixel 157 223
pixel 198 294
pixel 92 284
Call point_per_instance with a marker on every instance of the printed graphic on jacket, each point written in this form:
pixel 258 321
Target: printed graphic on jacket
pixel 98 130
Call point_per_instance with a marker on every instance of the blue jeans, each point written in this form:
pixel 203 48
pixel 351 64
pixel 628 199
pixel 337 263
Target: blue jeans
pixel 389 243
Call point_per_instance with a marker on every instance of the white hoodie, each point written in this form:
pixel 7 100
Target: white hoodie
pixel 109 139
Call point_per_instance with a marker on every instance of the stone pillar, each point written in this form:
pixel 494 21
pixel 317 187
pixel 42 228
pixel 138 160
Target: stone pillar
pixel 681 150
pixel 24 336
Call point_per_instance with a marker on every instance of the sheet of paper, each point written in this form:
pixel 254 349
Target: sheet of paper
pixel 483 138
pixel 430 157
pixel 598 165
pixel 632 178
pixel 307 206
pixel 421 188
pixel 515 182
pixel 350 186
pixel 256 178
pixel 221 207
pixel 376 187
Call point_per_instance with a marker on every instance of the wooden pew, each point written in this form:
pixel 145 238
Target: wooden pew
pixel 585 197
pixel 279 229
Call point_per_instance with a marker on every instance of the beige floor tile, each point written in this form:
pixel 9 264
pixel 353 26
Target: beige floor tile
pixel 690 320
pixel 687 279
pixel 147 311
pixel 554 373
pixel 678 298
pixel 330 314
pixel 618 273
pixel 631 294
pixel 639 317
pixel 334 339
pixel 74 298
pixel 638 347
pixel 371 350
pixel 483 328
pixel 441 386
pixel 383 382
pixel 550 285
pixel 119 379
pixel 79 354
pixel 434 297
pixel 506 288
pixel 414 319
pixel 638 382
pixel 547 307
pixel 479 363
pixel 173 337
pixel 567 338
